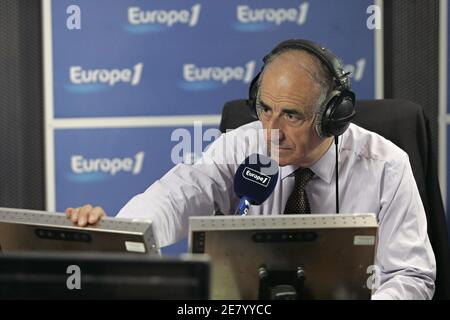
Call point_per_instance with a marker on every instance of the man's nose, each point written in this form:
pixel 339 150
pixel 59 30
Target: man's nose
pixel 275 130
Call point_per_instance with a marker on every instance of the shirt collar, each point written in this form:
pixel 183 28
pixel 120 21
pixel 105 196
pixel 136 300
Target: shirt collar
pixel 323 168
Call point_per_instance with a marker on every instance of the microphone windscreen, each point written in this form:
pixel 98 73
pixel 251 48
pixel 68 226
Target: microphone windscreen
pixel 256 178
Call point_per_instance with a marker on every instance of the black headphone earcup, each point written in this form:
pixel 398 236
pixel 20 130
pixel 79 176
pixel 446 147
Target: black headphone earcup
pixel 318 122
pixel 336 115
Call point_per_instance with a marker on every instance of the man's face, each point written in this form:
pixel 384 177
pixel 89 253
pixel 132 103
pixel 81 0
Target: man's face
pixel 288 96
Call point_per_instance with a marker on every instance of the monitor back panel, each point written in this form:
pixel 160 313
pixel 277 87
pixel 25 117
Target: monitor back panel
pixel 28 230
pixel 334 251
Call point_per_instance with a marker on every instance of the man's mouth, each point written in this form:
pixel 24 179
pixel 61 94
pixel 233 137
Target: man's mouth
pixel 274 146
pixel 281 151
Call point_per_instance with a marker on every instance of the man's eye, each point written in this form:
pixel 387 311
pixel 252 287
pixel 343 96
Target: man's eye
pixel 291 117
pixel 266 109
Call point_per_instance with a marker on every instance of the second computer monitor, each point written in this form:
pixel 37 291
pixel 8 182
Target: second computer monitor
pixel 320 256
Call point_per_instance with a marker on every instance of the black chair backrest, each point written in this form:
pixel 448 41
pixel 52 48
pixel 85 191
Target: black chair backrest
pixel 405 124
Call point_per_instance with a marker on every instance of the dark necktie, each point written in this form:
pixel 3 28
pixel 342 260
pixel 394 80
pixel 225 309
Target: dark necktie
pixel 298 200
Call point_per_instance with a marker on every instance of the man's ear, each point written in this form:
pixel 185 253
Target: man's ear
pixel 313 127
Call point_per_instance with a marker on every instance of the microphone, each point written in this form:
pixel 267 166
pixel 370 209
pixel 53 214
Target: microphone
pixel 254 181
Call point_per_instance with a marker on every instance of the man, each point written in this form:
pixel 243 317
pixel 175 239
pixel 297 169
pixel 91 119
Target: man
pixel 375 176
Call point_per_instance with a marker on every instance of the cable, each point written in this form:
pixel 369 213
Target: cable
pixel 336 140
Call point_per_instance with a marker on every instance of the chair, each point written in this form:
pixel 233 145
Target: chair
pixel 405 124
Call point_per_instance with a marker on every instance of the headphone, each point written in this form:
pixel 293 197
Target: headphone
pixel 335 115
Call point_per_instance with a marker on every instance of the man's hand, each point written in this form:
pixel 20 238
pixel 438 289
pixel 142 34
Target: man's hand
pixel 85 215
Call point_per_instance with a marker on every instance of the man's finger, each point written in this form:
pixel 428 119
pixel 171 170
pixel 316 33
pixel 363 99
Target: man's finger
pixel 69 212
pixel 74 215
pixel 84 214
pixel 96 215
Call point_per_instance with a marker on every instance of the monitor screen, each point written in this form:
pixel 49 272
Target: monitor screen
pixel 53 275
pixel 317 256
pixel 28 230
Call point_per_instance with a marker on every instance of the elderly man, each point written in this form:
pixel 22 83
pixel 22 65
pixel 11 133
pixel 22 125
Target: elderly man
pixel 374 175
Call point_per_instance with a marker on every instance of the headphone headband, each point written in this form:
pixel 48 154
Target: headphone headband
pixel 328 58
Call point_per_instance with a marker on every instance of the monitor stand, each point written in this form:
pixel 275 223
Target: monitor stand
pixel 281 284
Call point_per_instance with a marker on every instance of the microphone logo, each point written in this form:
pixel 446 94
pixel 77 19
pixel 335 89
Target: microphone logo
pixel 253 183
pixel 256 177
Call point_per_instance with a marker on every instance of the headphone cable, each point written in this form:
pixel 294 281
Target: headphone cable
pixel 336 140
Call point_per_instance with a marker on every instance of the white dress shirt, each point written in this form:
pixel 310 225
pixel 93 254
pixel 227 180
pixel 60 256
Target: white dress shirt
pixel 374 176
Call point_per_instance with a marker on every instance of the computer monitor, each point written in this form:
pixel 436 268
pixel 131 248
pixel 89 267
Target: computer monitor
pixel 28 230
pixel 314 256
pixel 72 275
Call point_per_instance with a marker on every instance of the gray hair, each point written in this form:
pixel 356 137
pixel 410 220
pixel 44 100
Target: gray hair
pixel 321 75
